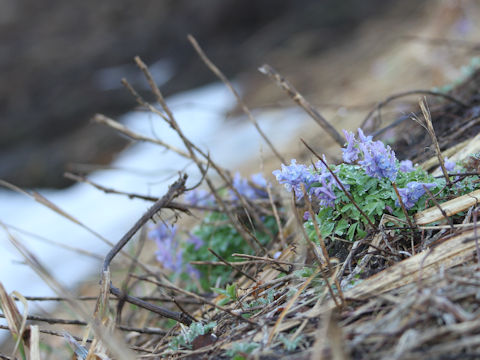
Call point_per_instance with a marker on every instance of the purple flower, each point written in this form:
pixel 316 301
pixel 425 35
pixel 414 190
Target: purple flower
pixel 192 271
pixel 168 253
pixel 293 176
pixel 325 194
pixel 323 175
pixel 449 165
pixel 306 216
pixel 245 189
pixel 258 180
pixel 200 197
pixel 378 160
pixel 350 153
pixel 364 139
pixel 196 241
pixel 163 232
pixel 318 181
pixel 413 192
pixel 406 166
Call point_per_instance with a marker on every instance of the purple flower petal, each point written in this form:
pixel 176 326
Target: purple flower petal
pixel 193 239
pixel 168 253
pixel 413 192
pixel 449 165
pixel 306 216
pixel 293 176
pixel 406 166
pixel 350 153
pixel 200 197
pixel 378 160
pixel 248 191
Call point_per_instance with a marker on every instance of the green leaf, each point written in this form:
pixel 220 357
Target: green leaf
pixel 304 272
pixel 341 226
pixel 232 291
pixel 326 228
pixel 220 291
pixel 351 231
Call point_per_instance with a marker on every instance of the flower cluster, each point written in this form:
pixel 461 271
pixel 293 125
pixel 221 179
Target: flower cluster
pixel 252 190
pixel 413 191
pixel 406 166
pixel 318 181
pixel 325 192
pixel 169 252
pixel 199 197
pixel 244 187
pixel 293 176
pixel 378 160
pixel 351 152
pixel 370 172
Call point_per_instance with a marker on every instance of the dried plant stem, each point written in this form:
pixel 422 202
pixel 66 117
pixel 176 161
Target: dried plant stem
pixel 182 309
pixel 430 195
pixel 48 332
pixel 319 260
pixel 175 190
pixel 431 132
pixel 47 203
pixel 315 225
pixel 277 219
pixel 240 271
pixel 174 315
pixel 475 234
pixel 84 323
pixel 229 85
pixel 270 260
pixel 93 298
pixel 102 119
pixel 290 303
pixel 382 103
pixel 191 148
pixel 198 297
pixel 44 201
pixel 54 243
pixel 303 103
pixel 402 205
pixel 174 205
pixel 322 245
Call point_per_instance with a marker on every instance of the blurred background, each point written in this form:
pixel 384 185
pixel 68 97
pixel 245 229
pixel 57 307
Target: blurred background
pixel 61 62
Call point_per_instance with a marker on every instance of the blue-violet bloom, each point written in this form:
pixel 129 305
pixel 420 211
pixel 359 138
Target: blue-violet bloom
pixel 378 160
pixel 350 153
pixel 413 192
pixel 449 164
pixel 293 176
pixel 169 253
pixel 196 241
pixel 245 189
pixel 406 166
pixel 200 197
